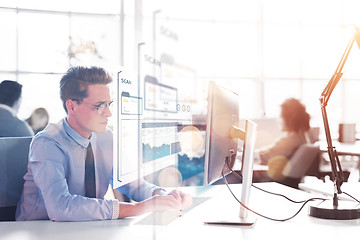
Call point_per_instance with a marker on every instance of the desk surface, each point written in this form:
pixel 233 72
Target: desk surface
pixel 191 226
pixel 327 189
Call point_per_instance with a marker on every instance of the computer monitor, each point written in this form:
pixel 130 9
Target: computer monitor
pixel 222 134
pixel 222 115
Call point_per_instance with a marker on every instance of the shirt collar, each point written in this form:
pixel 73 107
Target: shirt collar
pixel 75 135
pixel 10 109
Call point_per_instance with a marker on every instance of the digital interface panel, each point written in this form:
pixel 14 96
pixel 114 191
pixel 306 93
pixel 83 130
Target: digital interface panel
pixel 130 105
pixel 159 97
pixel 146 127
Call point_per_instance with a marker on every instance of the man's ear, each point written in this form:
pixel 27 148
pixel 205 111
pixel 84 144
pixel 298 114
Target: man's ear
pixel 70 106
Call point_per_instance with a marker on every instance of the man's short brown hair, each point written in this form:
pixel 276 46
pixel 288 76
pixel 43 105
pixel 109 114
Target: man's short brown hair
pixel 74 84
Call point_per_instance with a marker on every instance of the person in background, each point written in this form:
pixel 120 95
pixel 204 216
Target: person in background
pixel 38 119
pixel 70 162
pixel 10 100
pixel 295 125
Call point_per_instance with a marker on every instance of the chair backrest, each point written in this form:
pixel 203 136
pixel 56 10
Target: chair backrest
pixel 14 153
pixel 301 161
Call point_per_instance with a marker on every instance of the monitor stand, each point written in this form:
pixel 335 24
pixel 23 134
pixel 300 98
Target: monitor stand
pixel 240 221
pixel 245 217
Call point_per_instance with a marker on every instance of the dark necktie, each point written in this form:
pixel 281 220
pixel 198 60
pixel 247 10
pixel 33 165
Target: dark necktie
pixel 90 185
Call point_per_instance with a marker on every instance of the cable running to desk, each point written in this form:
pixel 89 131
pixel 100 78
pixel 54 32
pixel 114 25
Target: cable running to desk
pixel 269 218
pixel 277 194
pixel 266 191
pixel 351 196
pixel 259 214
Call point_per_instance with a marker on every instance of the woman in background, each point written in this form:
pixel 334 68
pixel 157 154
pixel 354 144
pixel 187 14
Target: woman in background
pixel 295 124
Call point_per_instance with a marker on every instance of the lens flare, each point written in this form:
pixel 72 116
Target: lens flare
pixel 276 165
pixel 191 141
pixel 170 177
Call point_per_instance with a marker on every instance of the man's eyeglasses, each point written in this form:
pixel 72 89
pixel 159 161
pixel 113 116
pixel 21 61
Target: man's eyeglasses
pixel 99 107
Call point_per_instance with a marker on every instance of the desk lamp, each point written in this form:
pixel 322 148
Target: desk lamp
pixel 338 209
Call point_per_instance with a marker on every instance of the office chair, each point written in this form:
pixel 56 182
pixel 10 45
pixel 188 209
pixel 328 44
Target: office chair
pixel 305 161
pixel 13 166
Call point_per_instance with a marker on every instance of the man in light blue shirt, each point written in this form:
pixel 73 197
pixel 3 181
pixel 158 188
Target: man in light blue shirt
pixel 55 183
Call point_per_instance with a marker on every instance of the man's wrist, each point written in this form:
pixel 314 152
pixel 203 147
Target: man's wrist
pixel 130 209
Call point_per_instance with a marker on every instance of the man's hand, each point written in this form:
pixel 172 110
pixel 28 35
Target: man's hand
pixel 172 201
pixel 184 199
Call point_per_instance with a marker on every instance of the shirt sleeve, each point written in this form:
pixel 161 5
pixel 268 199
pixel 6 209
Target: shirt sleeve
pixel 115 209
pixel 48 163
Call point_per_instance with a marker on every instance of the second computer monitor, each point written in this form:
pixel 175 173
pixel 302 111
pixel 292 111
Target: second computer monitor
pixel 222 135
pixel 222 115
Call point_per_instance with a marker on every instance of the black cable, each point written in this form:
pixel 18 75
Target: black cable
pixel 276 194
pixel 269 218
pixel 266 191
pixel 351 196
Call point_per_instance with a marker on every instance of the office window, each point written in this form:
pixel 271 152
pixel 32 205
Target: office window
pixel 43 39
pixel 63 5
pixel 95 40
pixel 256 47
pixel 43 42
pixel 197 44
pixel 8 41
pixel 322 49
pixel 8 3
pixel 282 51
pixel 84 6
pixel 209 10
pixel 276 91
pixel 235 49
pixel 314 13
pixel 105 7
pixel 351 100
pixel 351 68
pixel 236 10
pixel 282 11
pixel 250 104
pixel 128 53
pixel 311 92
pixel 7 76
pixel 34 95
pixel 245 89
